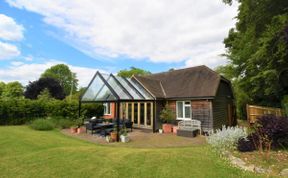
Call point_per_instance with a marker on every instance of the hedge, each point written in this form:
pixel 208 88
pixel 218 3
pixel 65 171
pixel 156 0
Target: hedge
pixel 16 111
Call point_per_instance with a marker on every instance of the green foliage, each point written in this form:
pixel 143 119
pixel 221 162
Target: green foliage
pixel 12 90
pixel 167 115
pixel 63 123
pixel 258 52
pixel 63 74
pixel 2 87
pixel 132 71
pixel 15 111
pixel 42 125
pixel 285 104
pixel 93 109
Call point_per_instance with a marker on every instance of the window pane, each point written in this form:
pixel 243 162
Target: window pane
pixel 187 112
pixel 130 111
pixel 128 88
pixel 180 109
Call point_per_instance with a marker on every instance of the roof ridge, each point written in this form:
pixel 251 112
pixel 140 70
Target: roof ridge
pixel 162 88
pixel 176 70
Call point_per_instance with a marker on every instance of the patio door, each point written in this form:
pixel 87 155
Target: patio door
pixel 140 113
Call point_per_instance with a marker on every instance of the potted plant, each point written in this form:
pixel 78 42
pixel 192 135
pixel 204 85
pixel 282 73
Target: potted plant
pixel 167 116
pixel 113 134
pixel 79 123
pixel 124 136
pixel 160 130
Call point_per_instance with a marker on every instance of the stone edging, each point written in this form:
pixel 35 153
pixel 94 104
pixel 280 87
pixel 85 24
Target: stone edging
pixel 237 162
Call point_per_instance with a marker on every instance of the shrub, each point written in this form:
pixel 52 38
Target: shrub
pixel 93 110
pixel 167 115
pixel 226 138
pixel 269 131
pixel 64 123
pixel 42 124
pixel 247 144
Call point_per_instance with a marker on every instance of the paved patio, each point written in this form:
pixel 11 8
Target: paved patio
pixel 144 139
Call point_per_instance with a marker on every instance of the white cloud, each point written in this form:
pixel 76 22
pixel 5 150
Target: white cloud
pixel 9 29
pixel 8 51
pixel 160 30
pixel 19 71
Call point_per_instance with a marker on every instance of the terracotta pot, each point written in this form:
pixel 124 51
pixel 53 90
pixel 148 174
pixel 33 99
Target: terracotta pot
pixel 80 130
pixel 113 136
pixel 175 129
pixel 167 128
pixel 73 129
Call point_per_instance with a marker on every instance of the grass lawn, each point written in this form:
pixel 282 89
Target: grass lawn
pixel 28 153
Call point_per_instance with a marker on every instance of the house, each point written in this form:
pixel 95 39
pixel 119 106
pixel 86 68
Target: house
pixel 197 92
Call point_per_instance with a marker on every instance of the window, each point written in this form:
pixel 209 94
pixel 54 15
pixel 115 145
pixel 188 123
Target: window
pixel 107 109
pixel 183 110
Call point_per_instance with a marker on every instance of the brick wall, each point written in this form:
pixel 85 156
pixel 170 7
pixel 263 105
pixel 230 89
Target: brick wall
pixel 113 115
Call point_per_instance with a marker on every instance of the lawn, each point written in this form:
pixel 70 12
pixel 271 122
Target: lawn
pixel 28 153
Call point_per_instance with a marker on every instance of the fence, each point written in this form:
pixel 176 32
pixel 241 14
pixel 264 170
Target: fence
pixel 253 112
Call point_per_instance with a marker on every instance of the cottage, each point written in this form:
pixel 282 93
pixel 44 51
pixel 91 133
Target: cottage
pixel 192 93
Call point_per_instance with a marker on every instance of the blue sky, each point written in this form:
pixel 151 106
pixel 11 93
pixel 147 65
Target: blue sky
pixel 109 36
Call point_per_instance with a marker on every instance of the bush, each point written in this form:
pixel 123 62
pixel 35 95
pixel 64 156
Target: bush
pixel 93 110
pixel 268 129
pixel 247 144
pixel 226 138
pixel 64 123
pixel 42 124
pixel 17 111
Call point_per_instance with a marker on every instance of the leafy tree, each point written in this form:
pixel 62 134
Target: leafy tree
pixel 63 74
pixel 42 86
pixel 2 87
pixel 132 71
pixel 13 90
pixel 257 49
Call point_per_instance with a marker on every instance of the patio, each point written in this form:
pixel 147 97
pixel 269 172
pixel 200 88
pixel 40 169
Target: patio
pixel 143 138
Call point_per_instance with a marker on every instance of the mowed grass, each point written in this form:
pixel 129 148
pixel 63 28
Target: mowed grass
pixel 28 153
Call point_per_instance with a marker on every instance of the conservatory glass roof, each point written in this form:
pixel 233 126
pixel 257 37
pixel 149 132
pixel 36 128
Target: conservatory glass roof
pixel 107 87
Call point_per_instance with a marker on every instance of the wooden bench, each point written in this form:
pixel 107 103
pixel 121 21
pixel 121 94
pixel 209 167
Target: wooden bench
pixel 189 128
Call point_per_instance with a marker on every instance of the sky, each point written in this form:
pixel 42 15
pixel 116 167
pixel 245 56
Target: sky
pixel 110 35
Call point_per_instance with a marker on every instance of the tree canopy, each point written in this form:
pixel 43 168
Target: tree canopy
pixel 12 89
pixel 257 49
pixel 132 71
pixel 64 76
pixel 46 87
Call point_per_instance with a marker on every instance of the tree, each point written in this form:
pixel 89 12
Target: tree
pixel 257 49
pixel 64 76
pixel 132 71
pixel 13 90
pixel 2 87
pixel 42 86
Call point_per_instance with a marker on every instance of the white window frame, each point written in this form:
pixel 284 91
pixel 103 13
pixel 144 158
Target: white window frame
pixel 106 106
pixel 183 110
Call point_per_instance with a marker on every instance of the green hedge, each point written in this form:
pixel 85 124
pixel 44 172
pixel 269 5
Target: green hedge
pixel 15 111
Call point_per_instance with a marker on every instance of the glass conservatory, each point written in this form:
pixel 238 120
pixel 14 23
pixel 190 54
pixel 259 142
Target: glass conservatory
pixel 130 100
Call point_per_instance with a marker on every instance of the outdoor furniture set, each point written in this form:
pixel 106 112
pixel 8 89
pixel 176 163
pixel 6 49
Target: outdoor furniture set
pixel 189 128
pixel 104 127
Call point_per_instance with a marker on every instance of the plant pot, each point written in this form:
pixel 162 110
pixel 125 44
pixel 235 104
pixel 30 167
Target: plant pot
pixel 175 129
pixel 160 131
pixel 73 130
pixel 113 136
pixel 124 139
pixel 167 128
pixel 108 138
pixel 80 130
